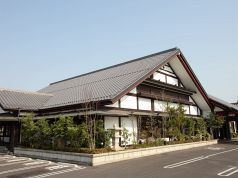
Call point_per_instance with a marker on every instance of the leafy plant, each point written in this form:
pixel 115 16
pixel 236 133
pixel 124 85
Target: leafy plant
pixel 125 136
pixel 28 129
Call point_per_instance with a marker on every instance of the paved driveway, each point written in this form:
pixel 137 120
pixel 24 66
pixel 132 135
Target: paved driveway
pixel 210 161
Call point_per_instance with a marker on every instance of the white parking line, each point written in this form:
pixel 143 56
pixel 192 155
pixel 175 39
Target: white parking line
pixel 35 163
pixel 196 159
pixel 8 164
pixel 58 172
pixel 215 148
pixel 6 157
pixel 228 172
pixel 184 162
pixel 24 168
pixel 18 159
pixel 52 168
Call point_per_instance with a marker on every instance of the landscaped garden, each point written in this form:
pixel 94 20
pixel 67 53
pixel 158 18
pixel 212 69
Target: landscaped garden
pixel 89 135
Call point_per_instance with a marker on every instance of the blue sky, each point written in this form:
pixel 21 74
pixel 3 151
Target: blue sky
pixel 43 41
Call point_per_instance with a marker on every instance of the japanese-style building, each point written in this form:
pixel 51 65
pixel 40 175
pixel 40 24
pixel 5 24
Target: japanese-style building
pixel 121 95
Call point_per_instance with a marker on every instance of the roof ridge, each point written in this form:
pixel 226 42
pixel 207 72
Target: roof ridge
pixel 120 64
pixel 25 92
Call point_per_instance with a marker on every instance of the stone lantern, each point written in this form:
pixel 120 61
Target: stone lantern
pixel 116 138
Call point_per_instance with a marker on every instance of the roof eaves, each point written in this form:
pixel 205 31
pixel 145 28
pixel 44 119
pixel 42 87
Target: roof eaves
pixel 224 103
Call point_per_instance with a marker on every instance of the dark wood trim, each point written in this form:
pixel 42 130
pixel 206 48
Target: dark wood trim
pixel 119 121
pixel 152 105
pixel 137 102
pixel 168 75
pixel 168 87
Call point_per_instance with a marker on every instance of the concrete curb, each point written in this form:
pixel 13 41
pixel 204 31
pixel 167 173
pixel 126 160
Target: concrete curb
pixel 105 158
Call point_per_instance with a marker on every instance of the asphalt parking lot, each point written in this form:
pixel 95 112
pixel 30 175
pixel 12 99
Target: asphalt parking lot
pixel 210 161
pixel 19 167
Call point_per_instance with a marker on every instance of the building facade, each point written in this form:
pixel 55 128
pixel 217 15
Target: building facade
pixel 121 95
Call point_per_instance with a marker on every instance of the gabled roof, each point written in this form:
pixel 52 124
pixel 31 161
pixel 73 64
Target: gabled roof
pixel 14 100
pixel 105 84
pixel 223 103
pixel 108 84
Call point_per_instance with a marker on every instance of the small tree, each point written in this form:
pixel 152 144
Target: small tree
pixel 42 133
pixel 28 129
pixel 63 129
pixel 215 122
pixel 103 137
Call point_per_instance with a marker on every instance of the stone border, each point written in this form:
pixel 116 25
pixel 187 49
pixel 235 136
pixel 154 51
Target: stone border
pixel 104 158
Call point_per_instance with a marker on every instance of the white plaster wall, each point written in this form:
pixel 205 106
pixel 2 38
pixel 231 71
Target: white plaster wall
pixel 130 123
pixel 134 91
pixel 115 105
pixel 193 110
pixel 191 100
pixel 186 108
pixel 172 81
pixel 160 105
pixel 110 121
pixel 158 76
pixel 145 104
pixel 129 102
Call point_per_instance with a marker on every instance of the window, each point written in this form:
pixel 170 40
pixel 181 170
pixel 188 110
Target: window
pixel 4 134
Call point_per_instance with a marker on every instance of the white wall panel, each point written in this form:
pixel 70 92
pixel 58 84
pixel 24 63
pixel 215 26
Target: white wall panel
pixel 160 77
pixel 130 123
pixel 191 100
pixel 145 104
pixel 186 108
pixel 110 121
pixel 193 110
pixel 134 91
pixel 172 81
pixel 160 105
pixel 129 102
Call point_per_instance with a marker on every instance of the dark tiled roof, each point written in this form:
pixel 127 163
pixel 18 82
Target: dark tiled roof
pixel 224 103
pixel 105 84
pixel 10 99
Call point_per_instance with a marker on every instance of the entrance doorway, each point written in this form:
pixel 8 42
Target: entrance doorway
pixel 5 135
